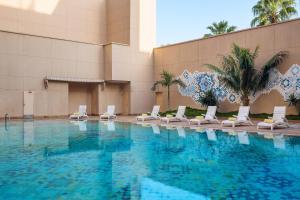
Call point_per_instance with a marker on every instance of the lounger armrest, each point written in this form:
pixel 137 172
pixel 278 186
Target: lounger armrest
pixel 285 119
pixel 203 115
pixel 234 115
pixel 216 117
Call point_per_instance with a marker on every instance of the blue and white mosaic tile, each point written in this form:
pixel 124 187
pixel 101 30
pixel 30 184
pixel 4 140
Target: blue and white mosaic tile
pixel 198 83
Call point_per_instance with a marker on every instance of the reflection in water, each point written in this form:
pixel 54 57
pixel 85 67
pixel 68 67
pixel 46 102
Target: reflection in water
pixel 155 129
pixel 81 124
pixel 181 132
pixel 279 141
pixel 144 162
pixel 28 133
pixel 211 135
pixel 243 138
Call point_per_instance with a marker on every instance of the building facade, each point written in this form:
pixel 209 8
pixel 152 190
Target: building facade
pixel 187 60
pixel 56 55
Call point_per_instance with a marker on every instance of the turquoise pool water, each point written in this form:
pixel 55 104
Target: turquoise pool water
pixel 93 160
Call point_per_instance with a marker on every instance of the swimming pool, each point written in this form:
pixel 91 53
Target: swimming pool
pixel 59 159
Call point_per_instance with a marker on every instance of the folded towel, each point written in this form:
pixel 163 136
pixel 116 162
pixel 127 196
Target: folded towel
pixel 269 121
pixel 232 119
pixel 199 117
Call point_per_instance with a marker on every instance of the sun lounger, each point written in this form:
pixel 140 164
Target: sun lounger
pixel 277 121
pixel 178 118
pixel 241 119
pixel 109 114
pixel 153 116
pixel 81 114
pixel 208 118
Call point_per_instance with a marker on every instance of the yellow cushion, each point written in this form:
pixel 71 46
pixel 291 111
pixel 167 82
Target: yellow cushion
pixel 232 119
pixel 269 121
pixel 169 116
pixel 199 117
pixel 144 115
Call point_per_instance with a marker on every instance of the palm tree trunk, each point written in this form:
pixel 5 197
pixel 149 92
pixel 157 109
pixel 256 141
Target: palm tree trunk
pixel 168 97
pixel 245 100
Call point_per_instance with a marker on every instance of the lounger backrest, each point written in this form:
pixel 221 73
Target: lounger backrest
pixel 243 113
pixel 279 113
pixel 211 112
pixel 111 109
pixel 155 111
pixel 82 110
pixel 180 111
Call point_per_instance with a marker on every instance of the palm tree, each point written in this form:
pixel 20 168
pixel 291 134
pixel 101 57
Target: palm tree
pixel 218 28
pixel 239 73
pixel 273 11
pixel 167 80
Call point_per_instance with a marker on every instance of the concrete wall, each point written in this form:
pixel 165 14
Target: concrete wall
pixel 26 60
pixel 79 20
pixel 64 38
pixel 192 55
pixel 134 62
pixel 118 21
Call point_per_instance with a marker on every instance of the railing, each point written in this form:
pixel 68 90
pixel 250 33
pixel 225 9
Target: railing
pixel 6 118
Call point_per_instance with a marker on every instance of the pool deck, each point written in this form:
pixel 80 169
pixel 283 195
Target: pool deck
pixel 294 128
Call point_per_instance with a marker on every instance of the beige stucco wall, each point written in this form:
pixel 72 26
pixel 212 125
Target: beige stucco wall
pixel 26 60
pixel 78 20
pixel 192 55
pixel 64 38
pixel 118 21
pixel 134 62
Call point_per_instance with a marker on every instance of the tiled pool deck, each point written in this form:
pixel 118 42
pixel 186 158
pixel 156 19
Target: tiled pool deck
pixel 294 128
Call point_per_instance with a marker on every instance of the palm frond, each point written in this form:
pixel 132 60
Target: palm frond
pixel 276 60
pixel 157 83
pixel 178 82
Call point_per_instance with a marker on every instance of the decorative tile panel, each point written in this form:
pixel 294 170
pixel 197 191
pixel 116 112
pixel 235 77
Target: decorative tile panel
pixel 197 83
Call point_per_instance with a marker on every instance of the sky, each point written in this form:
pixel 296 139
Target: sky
pixel 181 20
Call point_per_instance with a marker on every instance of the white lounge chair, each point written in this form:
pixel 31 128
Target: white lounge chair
pixel 208 118
pixel 178 118
pixel 109 114
pixel 81 113
pixel 241 119
pixel 153 116
pixel 277 121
